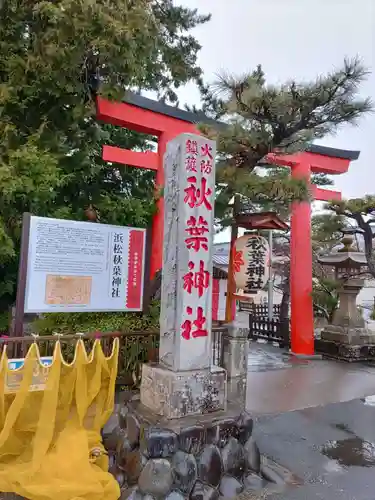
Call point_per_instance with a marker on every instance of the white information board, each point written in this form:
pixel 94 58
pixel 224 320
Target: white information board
pixel 77 266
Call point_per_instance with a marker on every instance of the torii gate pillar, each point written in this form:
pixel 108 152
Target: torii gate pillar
pixel 302 165
pixel 166 122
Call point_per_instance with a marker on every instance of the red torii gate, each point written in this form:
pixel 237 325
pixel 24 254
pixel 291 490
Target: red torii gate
pixel 166 122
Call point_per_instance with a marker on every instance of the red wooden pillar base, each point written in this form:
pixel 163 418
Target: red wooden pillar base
pixel 302 321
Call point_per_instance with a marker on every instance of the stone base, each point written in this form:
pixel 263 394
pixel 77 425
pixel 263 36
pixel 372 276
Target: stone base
pixel 345 351
pixel 347 335
pixel 192 458
pixel 181 394
pixel 306 357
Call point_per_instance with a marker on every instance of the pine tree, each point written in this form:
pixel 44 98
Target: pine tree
pixel 325 236
pixel 359 213
pixel 265 118
pixel 55 57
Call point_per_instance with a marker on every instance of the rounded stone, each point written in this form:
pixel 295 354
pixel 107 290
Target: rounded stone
pixel 120 477
pixel 111 433
pixel 211 435
pixel 233 458
pixel 184 468
pixel 158 443
pixel 203 491
pixel 111 424
pixel 271 475
pixel 122 450
pixel 210 466
pixel 175 495
pixel 122 413
pixel 224 430
pixel 253 482
pixel 252 455
pixel 156 478
pixel 133 429
pixel 132 465
pixel 245 427
pixel 230 487
pixel 131 494
pixel 192 439
pixel 111 461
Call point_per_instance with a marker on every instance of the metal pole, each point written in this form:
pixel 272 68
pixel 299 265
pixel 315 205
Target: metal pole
pixel 270 277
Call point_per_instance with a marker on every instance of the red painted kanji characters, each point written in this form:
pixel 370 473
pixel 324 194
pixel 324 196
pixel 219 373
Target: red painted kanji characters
pixel 199 280
pixel 206 166
pixel 191 147
pixel 194 328
pixel 197 196
pixel 206 150
pixel 197 230
pixel 191 164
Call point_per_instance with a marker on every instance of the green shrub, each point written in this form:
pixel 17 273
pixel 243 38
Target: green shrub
pixel 325 297
pixel 71 323
pixel 4 321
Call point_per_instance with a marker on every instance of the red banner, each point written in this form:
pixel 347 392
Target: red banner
pixel 135 261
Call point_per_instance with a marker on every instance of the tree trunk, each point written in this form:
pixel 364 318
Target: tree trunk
pixel 284 306
pixel 367 237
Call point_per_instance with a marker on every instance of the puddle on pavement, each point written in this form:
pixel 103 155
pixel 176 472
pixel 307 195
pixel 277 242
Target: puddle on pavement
pixel 351 452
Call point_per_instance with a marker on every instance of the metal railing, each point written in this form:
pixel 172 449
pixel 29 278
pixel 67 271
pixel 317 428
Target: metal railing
pixel 136 348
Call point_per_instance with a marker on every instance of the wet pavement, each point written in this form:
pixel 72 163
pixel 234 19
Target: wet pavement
pixel 278 382
pixel 317 419
pixel 331 448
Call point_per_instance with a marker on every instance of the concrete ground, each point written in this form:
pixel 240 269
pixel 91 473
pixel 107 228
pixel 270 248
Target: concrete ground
pixel 330 448
pixel 313 418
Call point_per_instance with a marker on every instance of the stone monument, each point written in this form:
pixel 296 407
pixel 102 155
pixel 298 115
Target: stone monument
pixel 181 438
pixel 347 337
pixel 185 383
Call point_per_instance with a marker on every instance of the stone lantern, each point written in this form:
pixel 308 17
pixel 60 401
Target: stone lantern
pixel 347 336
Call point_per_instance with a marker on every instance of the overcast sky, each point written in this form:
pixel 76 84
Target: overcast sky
pixel 295 39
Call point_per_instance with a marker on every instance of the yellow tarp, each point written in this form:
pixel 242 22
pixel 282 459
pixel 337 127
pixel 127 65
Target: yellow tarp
pixel 50 443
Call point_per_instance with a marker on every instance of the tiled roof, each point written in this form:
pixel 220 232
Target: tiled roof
pixel 221 260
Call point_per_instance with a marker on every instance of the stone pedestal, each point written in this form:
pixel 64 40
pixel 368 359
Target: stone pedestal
pixel 185 393
pixel 347 337
pixel 191 458
pixel 235 350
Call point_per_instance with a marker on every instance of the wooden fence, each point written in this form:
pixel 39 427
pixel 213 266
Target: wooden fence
pixel 261 327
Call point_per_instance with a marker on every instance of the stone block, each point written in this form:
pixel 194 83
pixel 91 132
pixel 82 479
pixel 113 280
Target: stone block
pixel 179 394
pixel 236 330
pixel 348 335
pixel 345 351
pixel 235 351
